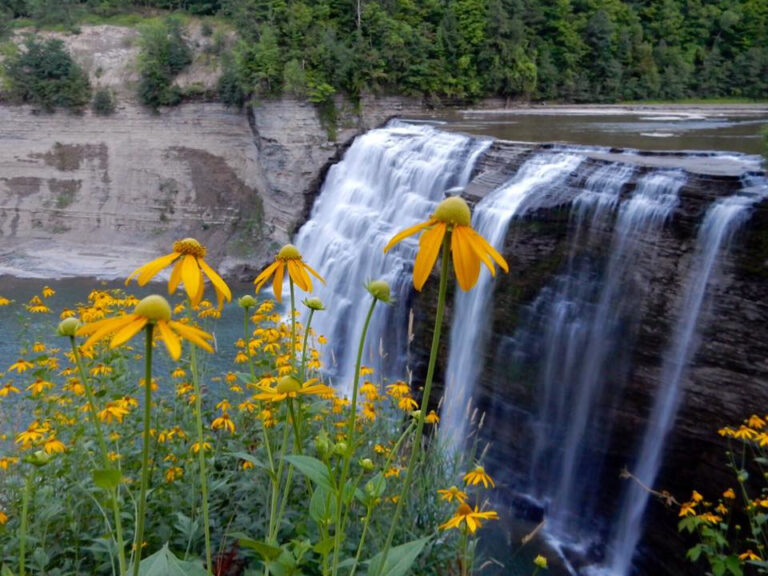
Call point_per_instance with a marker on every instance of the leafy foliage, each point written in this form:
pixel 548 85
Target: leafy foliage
pixel 43 73
pixel 103 102
pixel 164 53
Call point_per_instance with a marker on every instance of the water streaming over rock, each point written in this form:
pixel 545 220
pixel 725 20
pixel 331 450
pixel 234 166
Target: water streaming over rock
pixel 469 330
pixel 389 179
pixel 722 220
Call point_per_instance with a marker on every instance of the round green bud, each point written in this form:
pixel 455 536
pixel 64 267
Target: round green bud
pixel 68 327
pixel 247 301
pixel 154 308
pixel 379 289
pixel 314 303
pixel 366 464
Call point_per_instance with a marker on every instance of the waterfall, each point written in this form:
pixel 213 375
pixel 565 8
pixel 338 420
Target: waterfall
pixel 722 220
pixel 470 327
pixel 389 179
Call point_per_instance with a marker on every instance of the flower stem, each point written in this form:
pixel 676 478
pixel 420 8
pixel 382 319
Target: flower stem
pixel 140 517
pixel 104 455
pixel 424 403
pixel 23 527
pixel 247 339
pixel 304 346
pixel 201 457
pixel 293 326
pixel 351 426
pixel 273 525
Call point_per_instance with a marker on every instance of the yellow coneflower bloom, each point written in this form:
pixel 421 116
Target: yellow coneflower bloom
pixel 224 405
pixel 696 497
pixel 406 403
pixel 472 518
pixel 178 373
pixel 174 473
pixel 453 493
pixel 246 465
pixel 749 555
pixel 540 561
pixel 36 306
pixel 195 448
pixel 4 301
pixel 151 310
pixel 113 412
pixel 744 433
pixel 399 389
pixel 32 435
pixel 7 461
pixel 38 347
pixel 39 386
pixel 101 370
pixel 288 258
pixel 432 417
pixel 756 422
pixel 720 509
pixel 478 475
pixel 469 249
pixel 709 518
pixel 67 313
pixel 3 518
pixel 20 366
pixel 393 471
pixel 189 269
pixel 687 509
pixel 223 422
pixel 729 494
pixel 7 389
pixel 289 387
pixel 52 445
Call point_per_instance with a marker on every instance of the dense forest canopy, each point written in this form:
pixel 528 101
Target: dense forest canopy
pixel 566 50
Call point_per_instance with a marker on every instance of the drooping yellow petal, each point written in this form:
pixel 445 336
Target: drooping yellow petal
pixel 192 277
pixel 127 332
pixel 171 341
pixel 277 285
pixel 192 334
pixel 148 271
pixel 429 248
pixel 472 524
pixel 400 236
pixel 222 290
pixel 311 271
pixel 264 276
pixel 107 327
pixel 175 279
pixel 465 261
pixel 478 248
pixel 488 249
pixel 299 276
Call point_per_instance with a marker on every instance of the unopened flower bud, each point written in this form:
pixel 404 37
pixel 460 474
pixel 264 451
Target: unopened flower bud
pixel 366 464
pixel 379 289
pixel 39 458
pixel 246 301
pixel 68 327
pixel 314 303
pixel 340 449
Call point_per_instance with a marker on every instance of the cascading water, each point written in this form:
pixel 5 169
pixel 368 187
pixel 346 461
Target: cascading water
pixel 723 219
pixel 389 179
pixel 491 219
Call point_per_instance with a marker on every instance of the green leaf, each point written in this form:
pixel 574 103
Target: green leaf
pixel 694 553
pixel 322 507
pixel 108 479
pixel 734 565
pixel 5 571
pixel 399 560
pixel 253 460
pixel 313 469
pixel 164 563
pixel 323 547
pixel 266 551
pixel 718 566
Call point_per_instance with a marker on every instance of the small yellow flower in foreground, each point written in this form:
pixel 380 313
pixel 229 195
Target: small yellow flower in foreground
pixel 478 475
pixel 749 555
pixel 4 301
pixel 468 247
pixel 20 366
pixel 189 269
pixel 472 518
pixel 223 422
pixel 687 509
pixel 432 417
pixel 155 310
pixel 540 561
pixel 730 494
pixel 289 387
pixel 453 493
pixel 288 258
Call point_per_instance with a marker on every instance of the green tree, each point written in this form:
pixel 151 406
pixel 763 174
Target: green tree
pixel 43 73
pixel 163 54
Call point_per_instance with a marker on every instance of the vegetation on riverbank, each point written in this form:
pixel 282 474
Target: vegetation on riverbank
pixel 460 50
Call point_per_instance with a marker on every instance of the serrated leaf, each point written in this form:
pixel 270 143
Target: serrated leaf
pixel 322 507
pixel 399 560
pixel 164 563
pixel 107 479
pixel 313 469
pixel 324 546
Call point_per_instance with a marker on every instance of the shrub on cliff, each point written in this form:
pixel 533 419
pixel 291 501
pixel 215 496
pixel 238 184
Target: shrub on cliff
pixel 164 53
pixel 103 102
pixel 42 72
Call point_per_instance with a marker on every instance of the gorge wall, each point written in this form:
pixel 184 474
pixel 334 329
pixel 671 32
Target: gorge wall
pixel 97 195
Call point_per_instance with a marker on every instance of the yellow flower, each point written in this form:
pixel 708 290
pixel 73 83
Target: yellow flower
pixel 7 389
pixel 453 493
pixel 729 494
pixel 756 422
pixel 48 291
pixel 749 555
pixel 289 387
pixel 246 465
pixel 696 497
pixel 196 447
pixel 223 422
pixel 189 269
pixel 709 518
pixel 151 310
pixel 478 475
pixel 113 412
pixel 4 301
pixel 288 258
pixel 38 347
pixel 407 403
pixel 469 249
pixel 393 471
pixel 744 433
pixel 101 370
pixel 178 373
pixel 540 561
pixel 39 386
pixel 174 473
pixel 3 518
pixel 36 306
pixel 472 518
pixel 54 446
pixel 687 509
pixel 20 366
pixel 432 417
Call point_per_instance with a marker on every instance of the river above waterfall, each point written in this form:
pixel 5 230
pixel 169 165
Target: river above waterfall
pixel 670 127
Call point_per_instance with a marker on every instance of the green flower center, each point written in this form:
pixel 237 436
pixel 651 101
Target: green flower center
pixel 288 384
pixel 289 252
pixel 189 246
pixel 154 308
pixel 453 210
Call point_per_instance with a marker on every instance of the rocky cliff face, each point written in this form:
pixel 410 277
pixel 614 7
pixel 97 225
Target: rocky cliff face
pixel 727 382
pixel 95 195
